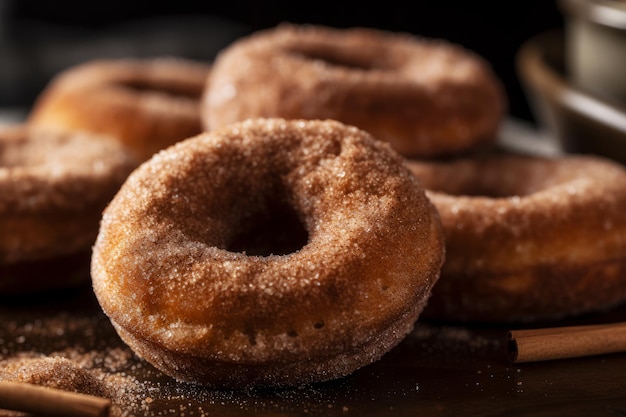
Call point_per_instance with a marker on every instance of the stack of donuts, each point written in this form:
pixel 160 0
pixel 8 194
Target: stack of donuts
pixel 53 188
pixel 86 132
pixel 527 238
pixel 294 207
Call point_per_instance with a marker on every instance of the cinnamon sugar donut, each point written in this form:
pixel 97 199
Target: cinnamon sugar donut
pixel 267 253
pixel 425 97
pixel 147 104
pixel 528 238
pixel 53 188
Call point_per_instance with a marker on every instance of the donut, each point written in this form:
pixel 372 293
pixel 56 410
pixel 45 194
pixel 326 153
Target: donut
pixel 426 97
pixel 53 188
pixel 528 238
pixel 146 103
pixel 267 253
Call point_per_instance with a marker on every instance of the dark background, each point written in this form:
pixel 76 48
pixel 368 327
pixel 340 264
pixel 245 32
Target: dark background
pixel 36 33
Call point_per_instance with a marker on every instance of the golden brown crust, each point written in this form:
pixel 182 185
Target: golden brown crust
pixel 165 272
pixel 53 188
pixel 426 97
pixel 147 104
pixel 528 238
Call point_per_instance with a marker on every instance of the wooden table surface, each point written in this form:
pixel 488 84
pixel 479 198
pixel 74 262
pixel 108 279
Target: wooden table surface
pixel 441 369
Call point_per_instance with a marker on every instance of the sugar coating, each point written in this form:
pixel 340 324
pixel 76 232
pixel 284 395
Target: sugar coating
pixel 426 97
pixel 147 104
pixel 528 238
pixel 92 373
pixel 53 188
pixel 163 272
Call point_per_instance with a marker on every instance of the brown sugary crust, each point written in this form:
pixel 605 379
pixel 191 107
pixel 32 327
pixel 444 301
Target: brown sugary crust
pixel 528 238
pixel 147 104
pixel 427 97
pixel 53 188
pixel 164 272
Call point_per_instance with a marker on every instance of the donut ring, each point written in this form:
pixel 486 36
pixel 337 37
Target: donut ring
pixel 528 238
pixel 53 188
pixel 147 104
pixel 425 97
pixel 170 272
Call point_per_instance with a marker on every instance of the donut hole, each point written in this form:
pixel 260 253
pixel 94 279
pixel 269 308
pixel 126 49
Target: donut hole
pixel 334 57
pixel 275 229
pixel 172 90
pixel 478 187
pixel 498 179
pixel 488 191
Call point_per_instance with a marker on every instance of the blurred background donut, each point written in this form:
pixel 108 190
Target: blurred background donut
pixel 39 38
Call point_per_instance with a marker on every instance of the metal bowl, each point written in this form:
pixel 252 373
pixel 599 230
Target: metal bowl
pixel 581 120
pixel 595 46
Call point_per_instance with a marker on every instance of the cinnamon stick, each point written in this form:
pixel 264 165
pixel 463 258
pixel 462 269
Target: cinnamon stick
pixel 533 345
pixel 50 401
